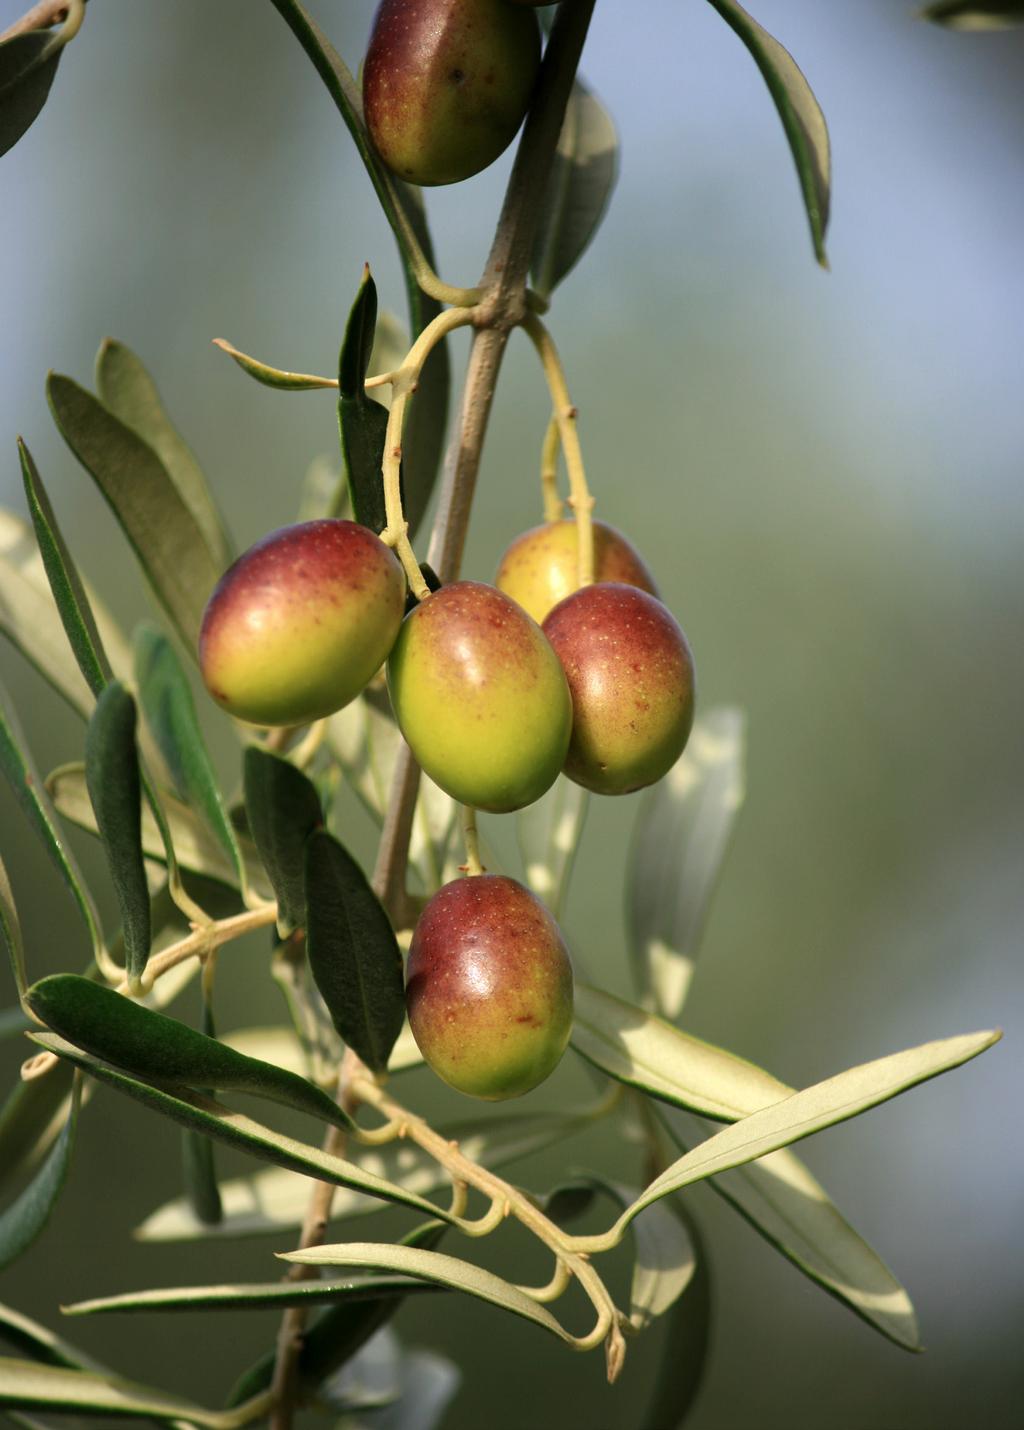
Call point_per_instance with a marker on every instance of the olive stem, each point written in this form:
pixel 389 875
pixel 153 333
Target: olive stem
pixel 554 508
pixel 565 415
pixel 46 14
pixel 472 841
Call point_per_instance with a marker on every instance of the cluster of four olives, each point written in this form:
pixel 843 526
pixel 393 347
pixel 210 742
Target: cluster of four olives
pixel 493 705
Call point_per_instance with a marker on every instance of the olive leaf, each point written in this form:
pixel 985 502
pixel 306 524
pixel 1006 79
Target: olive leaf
pixel 549 833
pixel 686 1342
pixel 283 808
pixel 28 64
pixel 276 377
pixel 10 931
pixel 965 15
pixel 362 422
pixel 60 1388
pixel 26 1217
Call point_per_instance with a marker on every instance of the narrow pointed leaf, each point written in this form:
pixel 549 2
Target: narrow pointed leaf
pixel 283 809
pixel 353 953
pixel 25 1218
pixel 46 1387
pixel 362 422
pixel 549 832
pixel 39 1343
pixel 276 377
pixel 785 1204
pixel 29 617
pixel 152 1045
pixel 112 776
pixel 129 392
pixel 65 583
pixel 644 1051
pixel 163 532
pixel 170 714
pixel 579 188
pixel 26 74
pixel 235 1130
pixel 357 344
pixel 804 1113
pixel 665 1259
pixel 254 1296
pixel 195 847
pixel 274 1202
pixel 32 1118
pixel 10 932
pixel 799 111
pixel 965 15
pixel 682 830
pixel 199 1170
pixel 30 793
pixel 685 1344
pixel 437 1267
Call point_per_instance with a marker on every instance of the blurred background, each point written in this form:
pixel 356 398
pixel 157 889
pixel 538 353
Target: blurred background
pixel 824 471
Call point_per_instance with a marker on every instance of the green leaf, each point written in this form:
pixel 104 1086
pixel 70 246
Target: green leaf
pixel 200 1177
pixel 25 1218
pixel 30 793
pixel 47 1387
pixel 549 832
pixel 152 1045
pixel 28 63
pixel 112 776
pixel 785 1204
pixel 29 617
pixel 254 1296
pixel 799 111
pixel 235 1130
pixel 963 15
pixel 276 377
pixel 433 1266
pixel 195 847
pixel 165 535
pixel 682 830
pixel 579 188
pixel 274 1202
pixel 353 953
pixel 170 714
pixel 33 1117
pixel 283 809
pixel 686 1341
pixel 804 1113
pixel 39 1342
pixel 645 1052
pixel 357 344
pixel 665 1260
pixel 65 583
pixel 10 931
pixel 362 422
pixel 128 391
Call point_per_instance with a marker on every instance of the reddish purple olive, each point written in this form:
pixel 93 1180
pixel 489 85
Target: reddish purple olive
pixel 631 675
pixel 480 697
pixel 489 987
pixel 447 83
pixel 540 568
pixel 299 625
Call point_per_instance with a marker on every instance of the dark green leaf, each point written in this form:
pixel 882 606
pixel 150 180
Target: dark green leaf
pixel 25 1218
pixel 235 1130
pixel 283 810
pixel 965 15
pixel 363 426
pixel 579 188
pixel 799 111
pixel 357 344
pixel 200 1177
pixel 685 1355
pixel 129 392
pixel 34 1115
pixel 165 535
pixel 152 1045
pixel 65 583
pixel 170 715
pixel 112 776
pixel 10 931
pixel 25 79
pixel 30 793
pixel 353 953
pixel 39 1343
pixel 47 1387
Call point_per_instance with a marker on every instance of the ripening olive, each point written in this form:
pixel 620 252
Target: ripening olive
pixel 540 568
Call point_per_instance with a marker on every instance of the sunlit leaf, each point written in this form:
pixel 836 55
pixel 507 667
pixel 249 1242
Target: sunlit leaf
pixel 235 1130
pixel 579 188
pixel 152 1045
pixel 48 1387
pixel 964 15
pixel 112 777
pixel 253 1296
pixel 162 530
pixel 682 829
pixel 39 1343
pixel 665 1259
pixel 549 832
pixel 786 1205
pixel 804 1113
pixel 25 1218
pixel 685 1344
pixel 283 809
pixel 352 950
pixel 799 111
pixel 129 392
pixel 433 1266
pixel 644 1051
pixel 28 63
pixel 275 1202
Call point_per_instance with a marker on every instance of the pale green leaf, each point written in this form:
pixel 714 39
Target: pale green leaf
pixel 252 1296
pixel 47 1387
pixel 965 15
pixel 549 832
pixel 276 377
pixel 10 931
pixel 682 830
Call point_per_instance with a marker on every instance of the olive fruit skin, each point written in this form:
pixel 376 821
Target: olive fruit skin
pixel 446 84
pixel 489 987
pixel 632 680
pixel 541 566
pixel 301 622
pixel 480 697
